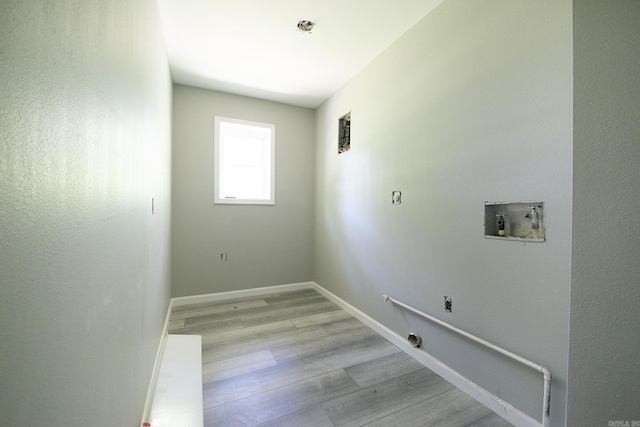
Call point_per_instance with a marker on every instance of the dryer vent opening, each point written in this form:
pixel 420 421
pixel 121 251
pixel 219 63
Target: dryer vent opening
pixel 414 339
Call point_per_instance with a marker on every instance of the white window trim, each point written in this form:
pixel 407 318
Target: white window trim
pixel 216 172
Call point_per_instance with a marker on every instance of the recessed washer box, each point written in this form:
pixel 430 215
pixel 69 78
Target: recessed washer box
pixel 520 221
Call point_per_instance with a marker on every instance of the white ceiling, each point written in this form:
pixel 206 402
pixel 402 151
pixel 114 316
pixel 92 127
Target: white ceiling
pixel 253 47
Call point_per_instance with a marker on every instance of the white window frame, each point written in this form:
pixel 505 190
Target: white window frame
pixel 269 159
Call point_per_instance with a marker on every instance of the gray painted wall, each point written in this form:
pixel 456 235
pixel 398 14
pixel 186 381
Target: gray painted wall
pixel 604 352
pixel 84 146
pixel 265 245
pixel 473 104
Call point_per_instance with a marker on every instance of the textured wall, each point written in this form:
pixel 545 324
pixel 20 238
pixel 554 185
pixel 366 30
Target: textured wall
pixel 473 104
pixel 84 146
pixel 266 245
pixel 604 353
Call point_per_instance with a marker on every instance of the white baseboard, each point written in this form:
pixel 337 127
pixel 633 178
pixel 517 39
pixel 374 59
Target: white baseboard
pixel 497 405
pixel 221 296
pixel 494 403
pixel 156 367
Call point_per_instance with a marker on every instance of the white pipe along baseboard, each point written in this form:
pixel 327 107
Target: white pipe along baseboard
pixel 544 371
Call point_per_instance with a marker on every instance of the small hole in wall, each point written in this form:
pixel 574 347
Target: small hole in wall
pixel 344 132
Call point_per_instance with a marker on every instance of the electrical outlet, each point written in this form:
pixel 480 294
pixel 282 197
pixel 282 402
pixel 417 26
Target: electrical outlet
pixel 447 304
pixel 396 197
pixel 223 257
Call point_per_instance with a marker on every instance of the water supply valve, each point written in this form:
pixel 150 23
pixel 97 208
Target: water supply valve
pixel 535 221
pixel 500 224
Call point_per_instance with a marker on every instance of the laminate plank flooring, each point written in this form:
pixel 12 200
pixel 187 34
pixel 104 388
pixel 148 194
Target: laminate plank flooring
pixel 297 359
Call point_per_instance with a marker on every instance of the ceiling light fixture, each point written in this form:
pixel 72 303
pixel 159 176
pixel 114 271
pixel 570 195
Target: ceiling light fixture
pixel 305 26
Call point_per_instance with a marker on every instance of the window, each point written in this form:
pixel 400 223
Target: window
pixel 244 160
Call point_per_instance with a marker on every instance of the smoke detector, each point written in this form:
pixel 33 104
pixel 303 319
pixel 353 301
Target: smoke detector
pixel 305 26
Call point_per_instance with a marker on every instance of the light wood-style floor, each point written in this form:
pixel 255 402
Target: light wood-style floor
pixel 297 359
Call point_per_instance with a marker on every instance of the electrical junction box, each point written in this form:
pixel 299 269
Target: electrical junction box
pixel 344 127
pixel 522 221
